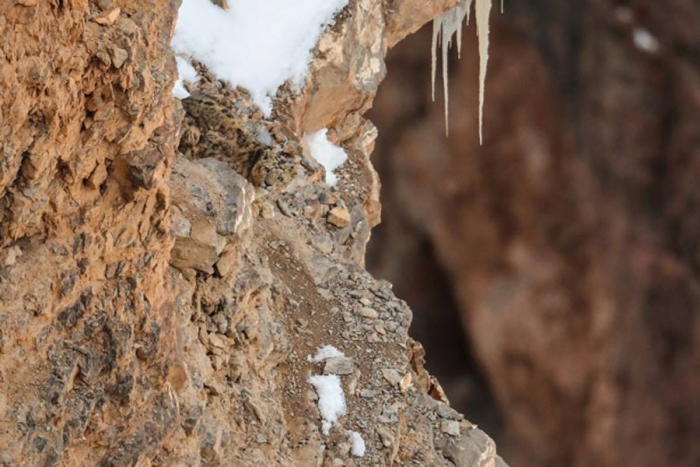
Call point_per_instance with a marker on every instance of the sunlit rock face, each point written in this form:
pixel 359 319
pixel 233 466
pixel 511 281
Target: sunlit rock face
pixel 166 267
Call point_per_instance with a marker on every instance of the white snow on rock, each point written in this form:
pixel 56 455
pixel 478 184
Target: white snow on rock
pixel 643 40
pixel 186 72
pixel 256 44
pixel 358 444
pixel 324 353
pixel 331 399
pixel 326 153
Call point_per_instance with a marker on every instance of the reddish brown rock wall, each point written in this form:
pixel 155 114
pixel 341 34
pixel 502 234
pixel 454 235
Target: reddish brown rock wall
pixel 88 133
pixel 569 238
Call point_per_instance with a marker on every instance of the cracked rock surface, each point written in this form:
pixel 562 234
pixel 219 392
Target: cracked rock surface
pixel 166 269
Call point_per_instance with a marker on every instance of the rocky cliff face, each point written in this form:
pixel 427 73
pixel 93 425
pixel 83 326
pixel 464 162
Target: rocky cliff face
pixel 569 240
pixel 166 269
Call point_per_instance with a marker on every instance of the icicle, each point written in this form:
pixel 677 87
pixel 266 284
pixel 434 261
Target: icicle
pixel 445 45
pixel 459 40
pixel 462 10
pixel 483 10
pixel 446 26
pixel 437 25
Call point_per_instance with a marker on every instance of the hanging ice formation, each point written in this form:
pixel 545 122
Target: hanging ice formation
pixel 444 28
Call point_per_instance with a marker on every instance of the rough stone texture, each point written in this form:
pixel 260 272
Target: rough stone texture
pixel 212 202
pixel 165 270
pixel 85 149
pixel 570 239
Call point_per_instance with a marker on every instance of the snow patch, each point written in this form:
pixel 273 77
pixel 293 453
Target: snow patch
pixel 256 44
pixel 185 72
pixel 324 353
pixel 331 399
pixel 643 40
pixel 358 444
pixel 326 153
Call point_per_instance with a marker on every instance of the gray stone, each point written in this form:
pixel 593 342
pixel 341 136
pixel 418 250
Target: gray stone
pixel 392 376
pixel 450 427
pixel 338 366
pixel 369 313
pixel 368 393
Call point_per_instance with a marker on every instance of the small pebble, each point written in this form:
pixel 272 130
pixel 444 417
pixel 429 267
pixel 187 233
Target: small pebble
pixel 369 313
pixel 338 366
pixel 450 427
pixel 392 376
pixel 368 393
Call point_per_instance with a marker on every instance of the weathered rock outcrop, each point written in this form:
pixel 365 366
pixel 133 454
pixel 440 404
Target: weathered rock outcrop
pixel 88 137
pixel 166 270
pixel 570 239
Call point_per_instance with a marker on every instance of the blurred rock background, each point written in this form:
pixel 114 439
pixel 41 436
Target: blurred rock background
pixel 554 270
